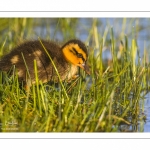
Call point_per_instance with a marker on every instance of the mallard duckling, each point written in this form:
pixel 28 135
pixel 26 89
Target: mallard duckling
pixel 67 59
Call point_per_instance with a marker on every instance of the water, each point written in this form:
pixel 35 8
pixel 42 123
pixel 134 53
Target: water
pixel 147 112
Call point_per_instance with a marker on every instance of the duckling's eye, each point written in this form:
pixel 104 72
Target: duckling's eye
pixel 79 55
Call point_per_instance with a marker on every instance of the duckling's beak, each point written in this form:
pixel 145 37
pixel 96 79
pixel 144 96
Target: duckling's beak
pixel 85 67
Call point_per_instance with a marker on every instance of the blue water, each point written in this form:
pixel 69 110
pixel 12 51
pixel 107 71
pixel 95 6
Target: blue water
pixel 147 112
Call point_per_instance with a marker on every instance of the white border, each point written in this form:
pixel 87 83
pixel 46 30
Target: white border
pixel 74 5
pixel 78 14
pixel 69 144
pixel 74 135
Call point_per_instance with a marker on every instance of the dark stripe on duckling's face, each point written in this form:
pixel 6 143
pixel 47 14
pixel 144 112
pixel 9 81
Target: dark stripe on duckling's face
pixel 79 55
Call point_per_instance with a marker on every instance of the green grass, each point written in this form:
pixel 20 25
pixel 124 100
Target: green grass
pixel 111 99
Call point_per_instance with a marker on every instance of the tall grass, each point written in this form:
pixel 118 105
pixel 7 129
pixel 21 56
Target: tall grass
pixel 110 99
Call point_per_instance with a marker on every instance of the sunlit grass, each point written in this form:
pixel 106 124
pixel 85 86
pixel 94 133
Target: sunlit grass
pixel 110 97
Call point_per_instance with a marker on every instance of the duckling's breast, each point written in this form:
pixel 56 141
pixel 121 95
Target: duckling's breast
pixel 72 71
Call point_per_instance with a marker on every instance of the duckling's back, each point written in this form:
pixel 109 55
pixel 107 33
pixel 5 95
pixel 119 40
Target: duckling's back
pixel 23 56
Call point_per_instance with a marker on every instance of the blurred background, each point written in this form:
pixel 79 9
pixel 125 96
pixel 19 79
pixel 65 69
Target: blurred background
pixel 90 30
pixel 14 30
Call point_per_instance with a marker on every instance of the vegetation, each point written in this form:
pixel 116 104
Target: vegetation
pixel 110 99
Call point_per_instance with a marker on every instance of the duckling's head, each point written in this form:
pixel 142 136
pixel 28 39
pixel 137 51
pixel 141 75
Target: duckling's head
pixel 75 52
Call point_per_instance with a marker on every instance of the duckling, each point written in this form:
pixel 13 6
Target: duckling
pixel 67 59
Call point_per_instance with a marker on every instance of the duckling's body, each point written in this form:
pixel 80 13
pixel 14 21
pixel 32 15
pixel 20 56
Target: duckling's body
pixel 66 59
